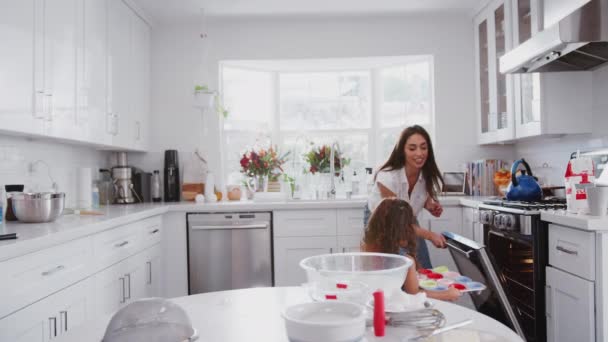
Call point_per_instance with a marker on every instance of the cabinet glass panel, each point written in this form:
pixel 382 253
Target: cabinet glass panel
pixel 501 79
pixel 484 82
pixel 530 98
pixel 524 20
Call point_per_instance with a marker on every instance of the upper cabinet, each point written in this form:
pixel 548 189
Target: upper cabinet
pixel 75 70
pixel 515 106
pixel 21 106
pixel 495 106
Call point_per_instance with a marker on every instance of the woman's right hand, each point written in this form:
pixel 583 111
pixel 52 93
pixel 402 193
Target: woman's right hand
pixel 437 239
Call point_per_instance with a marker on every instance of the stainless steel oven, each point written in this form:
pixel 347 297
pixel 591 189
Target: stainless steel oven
pixel 516 241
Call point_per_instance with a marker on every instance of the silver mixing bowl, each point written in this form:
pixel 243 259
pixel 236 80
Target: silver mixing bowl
pixel 37 207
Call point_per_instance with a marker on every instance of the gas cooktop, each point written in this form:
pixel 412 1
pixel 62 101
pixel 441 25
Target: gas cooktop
pixel 549 203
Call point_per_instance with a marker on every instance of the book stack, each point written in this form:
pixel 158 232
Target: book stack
pixel 480 176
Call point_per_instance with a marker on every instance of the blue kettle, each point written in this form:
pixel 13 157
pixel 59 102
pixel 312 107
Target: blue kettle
pixel 523 187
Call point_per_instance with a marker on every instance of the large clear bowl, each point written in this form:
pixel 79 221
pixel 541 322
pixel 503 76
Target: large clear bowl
pixel 377 270
pixel 150 320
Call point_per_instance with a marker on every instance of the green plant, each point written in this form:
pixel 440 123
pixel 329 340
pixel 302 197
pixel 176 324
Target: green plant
pixel 217 99
pixel 291 181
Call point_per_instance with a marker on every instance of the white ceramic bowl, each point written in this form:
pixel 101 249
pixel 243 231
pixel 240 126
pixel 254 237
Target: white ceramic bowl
pixel 377 270
pixel 325 321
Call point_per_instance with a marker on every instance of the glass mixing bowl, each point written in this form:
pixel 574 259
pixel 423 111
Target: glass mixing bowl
pixel 150 320
pixel 377 270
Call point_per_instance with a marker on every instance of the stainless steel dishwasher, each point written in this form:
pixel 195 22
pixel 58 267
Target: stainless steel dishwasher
pixel 229 251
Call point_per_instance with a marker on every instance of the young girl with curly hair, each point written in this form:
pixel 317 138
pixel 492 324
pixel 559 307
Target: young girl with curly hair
pixel 391 228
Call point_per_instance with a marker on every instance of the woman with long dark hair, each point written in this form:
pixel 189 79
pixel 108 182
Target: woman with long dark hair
pixel 411 174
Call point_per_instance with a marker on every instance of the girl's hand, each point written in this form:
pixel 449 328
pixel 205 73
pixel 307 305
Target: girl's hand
pixel 433 207
pixel 437 239
pixel 452 294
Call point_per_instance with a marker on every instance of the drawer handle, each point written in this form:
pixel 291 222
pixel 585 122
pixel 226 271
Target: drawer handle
pixel 565 250
pixel 53 270
pixel 155 231
pixel 122 290
pixel 122 244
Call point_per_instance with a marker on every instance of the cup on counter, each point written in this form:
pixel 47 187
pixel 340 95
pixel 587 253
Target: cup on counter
pixel 597 198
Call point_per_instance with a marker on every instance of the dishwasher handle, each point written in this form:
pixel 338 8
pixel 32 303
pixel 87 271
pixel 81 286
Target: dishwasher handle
pixel 229 226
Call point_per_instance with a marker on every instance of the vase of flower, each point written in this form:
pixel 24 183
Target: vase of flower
pixel 261 164
pixel 261 183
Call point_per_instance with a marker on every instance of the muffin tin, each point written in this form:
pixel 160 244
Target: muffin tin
pixel 441 278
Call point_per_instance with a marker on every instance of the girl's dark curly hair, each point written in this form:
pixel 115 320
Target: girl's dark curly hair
pixel 391 226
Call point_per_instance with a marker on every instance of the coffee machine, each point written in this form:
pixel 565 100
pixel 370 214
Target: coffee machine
pixel 121 177
pixel 172 190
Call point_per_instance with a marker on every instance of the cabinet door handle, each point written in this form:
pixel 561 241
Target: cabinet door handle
pixel 138 131
pixel 128 286
pixel 122 290
pixel 155 231
pixel 343 249
pixel 52 270
pixel 331 250
pixel 52 327
pixel 149 264
pixel 63 317
pixel 548 300
pixel 122 244
pixel 565 250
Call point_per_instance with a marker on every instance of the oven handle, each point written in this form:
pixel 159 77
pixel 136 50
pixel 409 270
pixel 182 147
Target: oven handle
pixel 458 249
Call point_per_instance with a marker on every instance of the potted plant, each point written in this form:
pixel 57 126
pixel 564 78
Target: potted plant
pixel 205 98
pixel 262 165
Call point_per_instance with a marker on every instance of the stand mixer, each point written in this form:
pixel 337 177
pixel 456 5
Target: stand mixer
pixel 121 177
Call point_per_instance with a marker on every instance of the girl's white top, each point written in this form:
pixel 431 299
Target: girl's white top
pixel 396 181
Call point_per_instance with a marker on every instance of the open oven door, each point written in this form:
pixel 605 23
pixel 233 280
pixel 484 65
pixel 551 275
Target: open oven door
pixel 473 261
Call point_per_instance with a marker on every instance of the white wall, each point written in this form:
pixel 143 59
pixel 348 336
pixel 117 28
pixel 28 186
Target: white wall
pixel 179 61
pixel 16 153
pixel 555 152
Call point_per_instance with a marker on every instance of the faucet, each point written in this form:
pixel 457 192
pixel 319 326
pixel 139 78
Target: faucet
pixel 332 170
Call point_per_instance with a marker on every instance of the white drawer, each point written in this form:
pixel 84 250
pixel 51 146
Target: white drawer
pixel 151 231
pixel 117 244
pixel 350 222
pixel 33 276
pixel 572 251
pixel 304 223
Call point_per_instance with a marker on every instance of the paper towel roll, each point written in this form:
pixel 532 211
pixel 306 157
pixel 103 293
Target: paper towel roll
pixel 84 190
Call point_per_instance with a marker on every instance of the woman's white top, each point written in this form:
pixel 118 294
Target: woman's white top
pixel 396 181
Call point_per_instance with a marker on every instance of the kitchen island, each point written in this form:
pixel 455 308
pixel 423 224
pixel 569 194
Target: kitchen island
pixel 255 315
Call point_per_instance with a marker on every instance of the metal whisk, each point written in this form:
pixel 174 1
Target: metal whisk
pixel 424 319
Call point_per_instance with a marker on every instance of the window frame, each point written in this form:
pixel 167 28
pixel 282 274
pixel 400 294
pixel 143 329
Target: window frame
pixel 375 129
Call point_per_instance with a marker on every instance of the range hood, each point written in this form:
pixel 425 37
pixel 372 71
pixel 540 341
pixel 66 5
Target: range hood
pixel 577 42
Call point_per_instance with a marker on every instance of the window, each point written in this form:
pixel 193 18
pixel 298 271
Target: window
pixel 363 104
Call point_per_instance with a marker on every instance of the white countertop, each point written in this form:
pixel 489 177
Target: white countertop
pixel 255 315
pixel 584 222
pixel 36 236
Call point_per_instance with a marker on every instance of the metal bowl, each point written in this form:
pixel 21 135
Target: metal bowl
pixel 37 207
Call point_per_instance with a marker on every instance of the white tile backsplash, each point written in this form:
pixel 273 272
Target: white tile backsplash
pixel 17 154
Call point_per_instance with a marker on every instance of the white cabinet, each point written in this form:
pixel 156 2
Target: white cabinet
pixel 152 276
pixel 91 73
pixel 470 217
pixel 21 105
pixel 140 35
pixel 570 305
pixel 450 221
pixel 299 234
pixel 289 251
pixel 59 68
pixel 49 318
pixel 495 106
pixel 129 77
pixel 119 73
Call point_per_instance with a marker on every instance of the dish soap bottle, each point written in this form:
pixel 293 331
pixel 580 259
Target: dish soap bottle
pixel 95 197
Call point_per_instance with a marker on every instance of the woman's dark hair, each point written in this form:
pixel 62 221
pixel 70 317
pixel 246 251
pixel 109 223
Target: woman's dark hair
pixel 430 171
pixel 391 226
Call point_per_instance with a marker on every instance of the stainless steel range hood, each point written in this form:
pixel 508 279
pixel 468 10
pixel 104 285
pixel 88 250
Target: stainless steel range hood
pixel 577 42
